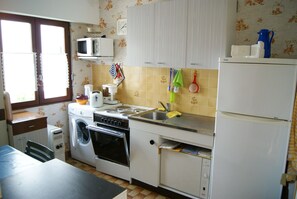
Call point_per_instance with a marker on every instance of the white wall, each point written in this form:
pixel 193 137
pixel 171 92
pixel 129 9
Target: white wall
pixel 79 11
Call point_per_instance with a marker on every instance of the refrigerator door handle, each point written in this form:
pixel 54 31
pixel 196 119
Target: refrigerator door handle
pixel 252 118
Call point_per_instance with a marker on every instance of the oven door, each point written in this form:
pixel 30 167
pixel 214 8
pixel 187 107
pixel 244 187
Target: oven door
pixel 110 144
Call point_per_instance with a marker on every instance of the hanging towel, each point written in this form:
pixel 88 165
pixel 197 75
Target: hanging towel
pixel 178 79
pixel 113 71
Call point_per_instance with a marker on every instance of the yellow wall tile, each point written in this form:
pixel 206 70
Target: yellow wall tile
pixel 145 86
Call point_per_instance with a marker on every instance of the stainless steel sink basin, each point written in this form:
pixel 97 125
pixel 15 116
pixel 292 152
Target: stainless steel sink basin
pixel 155 115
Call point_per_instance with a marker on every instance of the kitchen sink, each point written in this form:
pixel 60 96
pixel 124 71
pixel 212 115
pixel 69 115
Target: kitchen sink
pixel 155 115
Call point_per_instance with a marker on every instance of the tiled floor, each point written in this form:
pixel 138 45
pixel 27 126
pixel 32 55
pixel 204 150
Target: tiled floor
pixel 134 192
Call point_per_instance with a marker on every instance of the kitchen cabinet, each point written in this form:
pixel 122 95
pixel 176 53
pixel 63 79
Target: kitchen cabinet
pixel 27 126
pixel 141 28
pixel 144 156
pixel 157 34
pixel 188 33
pixel 154 164
pixel 179 166
pixel 171 33
pixel 211 32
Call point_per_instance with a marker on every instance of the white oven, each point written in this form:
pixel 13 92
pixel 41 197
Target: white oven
pixel 110 135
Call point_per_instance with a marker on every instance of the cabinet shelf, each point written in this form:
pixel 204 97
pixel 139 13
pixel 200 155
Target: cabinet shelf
pixel 186 149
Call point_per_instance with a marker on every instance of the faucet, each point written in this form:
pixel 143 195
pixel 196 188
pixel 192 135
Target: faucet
pixel 167 109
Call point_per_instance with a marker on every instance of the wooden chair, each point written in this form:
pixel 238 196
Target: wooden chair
pixel 39 151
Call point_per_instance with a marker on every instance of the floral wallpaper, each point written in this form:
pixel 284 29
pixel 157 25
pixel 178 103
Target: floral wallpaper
pixel 253 15
pixel 279 16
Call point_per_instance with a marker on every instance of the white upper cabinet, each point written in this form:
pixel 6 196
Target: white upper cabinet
pixel 141 28
pixel 171 33
pixel 211 32
pixel 181 33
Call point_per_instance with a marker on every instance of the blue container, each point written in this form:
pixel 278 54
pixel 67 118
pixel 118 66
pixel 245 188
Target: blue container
pixel 266 37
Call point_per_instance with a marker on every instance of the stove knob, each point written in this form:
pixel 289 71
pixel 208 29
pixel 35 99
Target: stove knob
pixel 119 123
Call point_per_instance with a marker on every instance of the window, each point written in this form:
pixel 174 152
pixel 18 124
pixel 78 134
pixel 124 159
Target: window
pixel 35 57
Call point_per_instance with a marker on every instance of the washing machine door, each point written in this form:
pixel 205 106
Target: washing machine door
pixel 81 133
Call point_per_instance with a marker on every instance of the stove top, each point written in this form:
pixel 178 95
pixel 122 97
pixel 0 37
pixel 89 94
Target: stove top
pixel 116 116
pixel 122 111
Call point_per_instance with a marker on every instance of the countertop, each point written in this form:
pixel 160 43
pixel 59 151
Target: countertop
pixel 24 116
pixel 188 122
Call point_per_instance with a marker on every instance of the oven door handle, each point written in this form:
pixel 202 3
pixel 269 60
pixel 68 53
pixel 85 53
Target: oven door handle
pixel 106 131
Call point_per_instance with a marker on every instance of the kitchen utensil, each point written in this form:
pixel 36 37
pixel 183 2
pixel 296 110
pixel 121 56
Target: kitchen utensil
pixel 96 99
pixel 264 35
pixel 170 78
pixel 194 87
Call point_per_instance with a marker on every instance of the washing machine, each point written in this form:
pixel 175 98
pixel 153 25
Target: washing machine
pixel 81 147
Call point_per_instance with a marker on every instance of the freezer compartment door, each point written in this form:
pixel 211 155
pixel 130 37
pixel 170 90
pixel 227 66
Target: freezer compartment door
pixel 265 90
pixel 249 157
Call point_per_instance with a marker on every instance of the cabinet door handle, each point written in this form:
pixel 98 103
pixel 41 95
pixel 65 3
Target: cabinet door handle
pixel 147 62
pixel 31 126
pixel 163 63
pixel 194 64
pixel 152 142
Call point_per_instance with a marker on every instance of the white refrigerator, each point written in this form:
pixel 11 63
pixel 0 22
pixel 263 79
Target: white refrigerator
pixel 254 110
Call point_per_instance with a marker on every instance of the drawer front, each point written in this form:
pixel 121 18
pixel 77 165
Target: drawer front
pixel 27 126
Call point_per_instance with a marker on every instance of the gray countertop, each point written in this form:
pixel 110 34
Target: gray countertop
pixel 188 122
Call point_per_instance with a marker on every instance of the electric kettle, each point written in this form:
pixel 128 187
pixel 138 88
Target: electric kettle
pixel 264 36
pixel 96 99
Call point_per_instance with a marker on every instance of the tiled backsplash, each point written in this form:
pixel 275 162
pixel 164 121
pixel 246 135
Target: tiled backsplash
pixel 146 86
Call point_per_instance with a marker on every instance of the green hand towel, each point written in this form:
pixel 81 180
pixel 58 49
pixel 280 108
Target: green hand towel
pixel 178 79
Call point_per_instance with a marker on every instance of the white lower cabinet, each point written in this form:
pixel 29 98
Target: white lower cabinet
pixel 177 170
pixel 144 156
pixel 185 173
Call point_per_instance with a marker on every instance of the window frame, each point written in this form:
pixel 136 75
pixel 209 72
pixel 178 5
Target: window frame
pixel 36 47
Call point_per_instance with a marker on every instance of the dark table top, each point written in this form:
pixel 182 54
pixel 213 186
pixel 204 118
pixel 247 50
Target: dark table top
pixel 57 179
pixel 13 161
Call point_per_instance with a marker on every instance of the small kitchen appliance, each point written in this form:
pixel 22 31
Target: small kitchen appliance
pixel 96 99
pixel 264 35
pixel 112 90
pixel 95 47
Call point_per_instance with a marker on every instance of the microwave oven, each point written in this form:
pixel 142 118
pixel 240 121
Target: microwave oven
pixel 95 47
